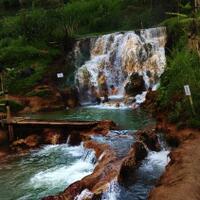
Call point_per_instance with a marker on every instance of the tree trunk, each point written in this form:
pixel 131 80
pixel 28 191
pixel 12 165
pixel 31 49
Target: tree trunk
pixel 197 5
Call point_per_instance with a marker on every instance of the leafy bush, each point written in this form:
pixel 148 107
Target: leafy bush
pixel 45 93
pixel 183 68
pixel 14 105
pixel 194 123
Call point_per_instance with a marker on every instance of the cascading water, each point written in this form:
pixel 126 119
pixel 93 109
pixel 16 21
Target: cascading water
pixel 44 172
pixel 120 55
pixel 146 176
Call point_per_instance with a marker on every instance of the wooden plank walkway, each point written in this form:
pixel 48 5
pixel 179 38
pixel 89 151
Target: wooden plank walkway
pixel 19 122
pixel 25 121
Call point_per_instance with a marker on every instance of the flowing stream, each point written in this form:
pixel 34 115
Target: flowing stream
pixel 43 172
pixel 50 169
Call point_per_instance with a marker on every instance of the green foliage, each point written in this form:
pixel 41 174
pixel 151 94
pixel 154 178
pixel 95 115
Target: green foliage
pixel 45 93
pixel 39 33
pixel 47 3
pixel 92 15
pixel 194 122
pixel 183 68
pixel 14 105
pixel 18 84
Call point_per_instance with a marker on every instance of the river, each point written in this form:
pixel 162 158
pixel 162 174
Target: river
pixel 50 169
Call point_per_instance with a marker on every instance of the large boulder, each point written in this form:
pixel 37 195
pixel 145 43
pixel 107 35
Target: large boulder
pixel 150 103
pixel 43 98
pixel 149 138
pixel 137 153
pixel 3 137
pixel 70 97
pixel 136 85
pixel 52 136
pixel 30 142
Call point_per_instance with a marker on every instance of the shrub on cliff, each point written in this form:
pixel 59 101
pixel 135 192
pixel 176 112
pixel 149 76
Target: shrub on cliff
pixel 14 105
pixel 183 68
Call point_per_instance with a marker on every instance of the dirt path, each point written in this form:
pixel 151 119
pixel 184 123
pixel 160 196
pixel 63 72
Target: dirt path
pixel 181 181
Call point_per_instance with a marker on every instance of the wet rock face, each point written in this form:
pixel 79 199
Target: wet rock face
pixel 82 52
pixel 42 98
pixel 137 153
pixel 3 137
pixel 150 103
pixel 70 97
pixel 150 138
pixel 74 138
pixel 30 142
pixel 136 85
pixel 52 136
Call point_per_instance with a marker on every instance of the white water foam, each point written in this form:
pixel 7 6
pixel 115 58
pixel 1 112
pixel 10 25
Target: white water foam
pixel 85 194
pixel 113 191
pixel 75 151
pixel 111 106
pixel 158 160
pixel 64 175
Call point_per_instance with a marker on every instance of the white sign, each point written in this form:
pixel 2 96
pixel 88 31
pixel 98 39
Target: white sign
pixel 187 90
pixel 60 75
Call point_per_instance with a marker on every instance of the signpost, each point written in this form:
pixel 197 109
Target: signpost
pixel 60 75
pixel 188 93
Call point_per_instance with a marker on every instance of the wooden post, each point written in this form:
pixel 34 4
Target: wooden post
pixel 188 93
pixel 9 122
pixel 196 5
pixel 9 119
pixel 2 86
pixel 192 104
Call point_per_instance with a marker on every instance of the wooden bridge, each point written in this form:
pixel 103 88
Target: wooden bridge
pixel 57 123
pixel 21 122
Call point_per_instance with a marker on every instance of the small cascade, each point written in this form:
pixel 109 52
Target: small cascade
pixel 119 56
pixel 89 156
pixel 113 192
pixel 68 139
pixel 85 194
pixel 162 142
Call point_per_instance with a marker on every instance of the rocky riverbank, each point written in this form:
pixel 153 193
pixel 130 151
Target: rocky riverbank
pixel 181 179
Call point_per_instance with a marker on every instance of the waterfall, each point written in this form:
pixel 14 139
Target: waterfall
pixel 118 56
